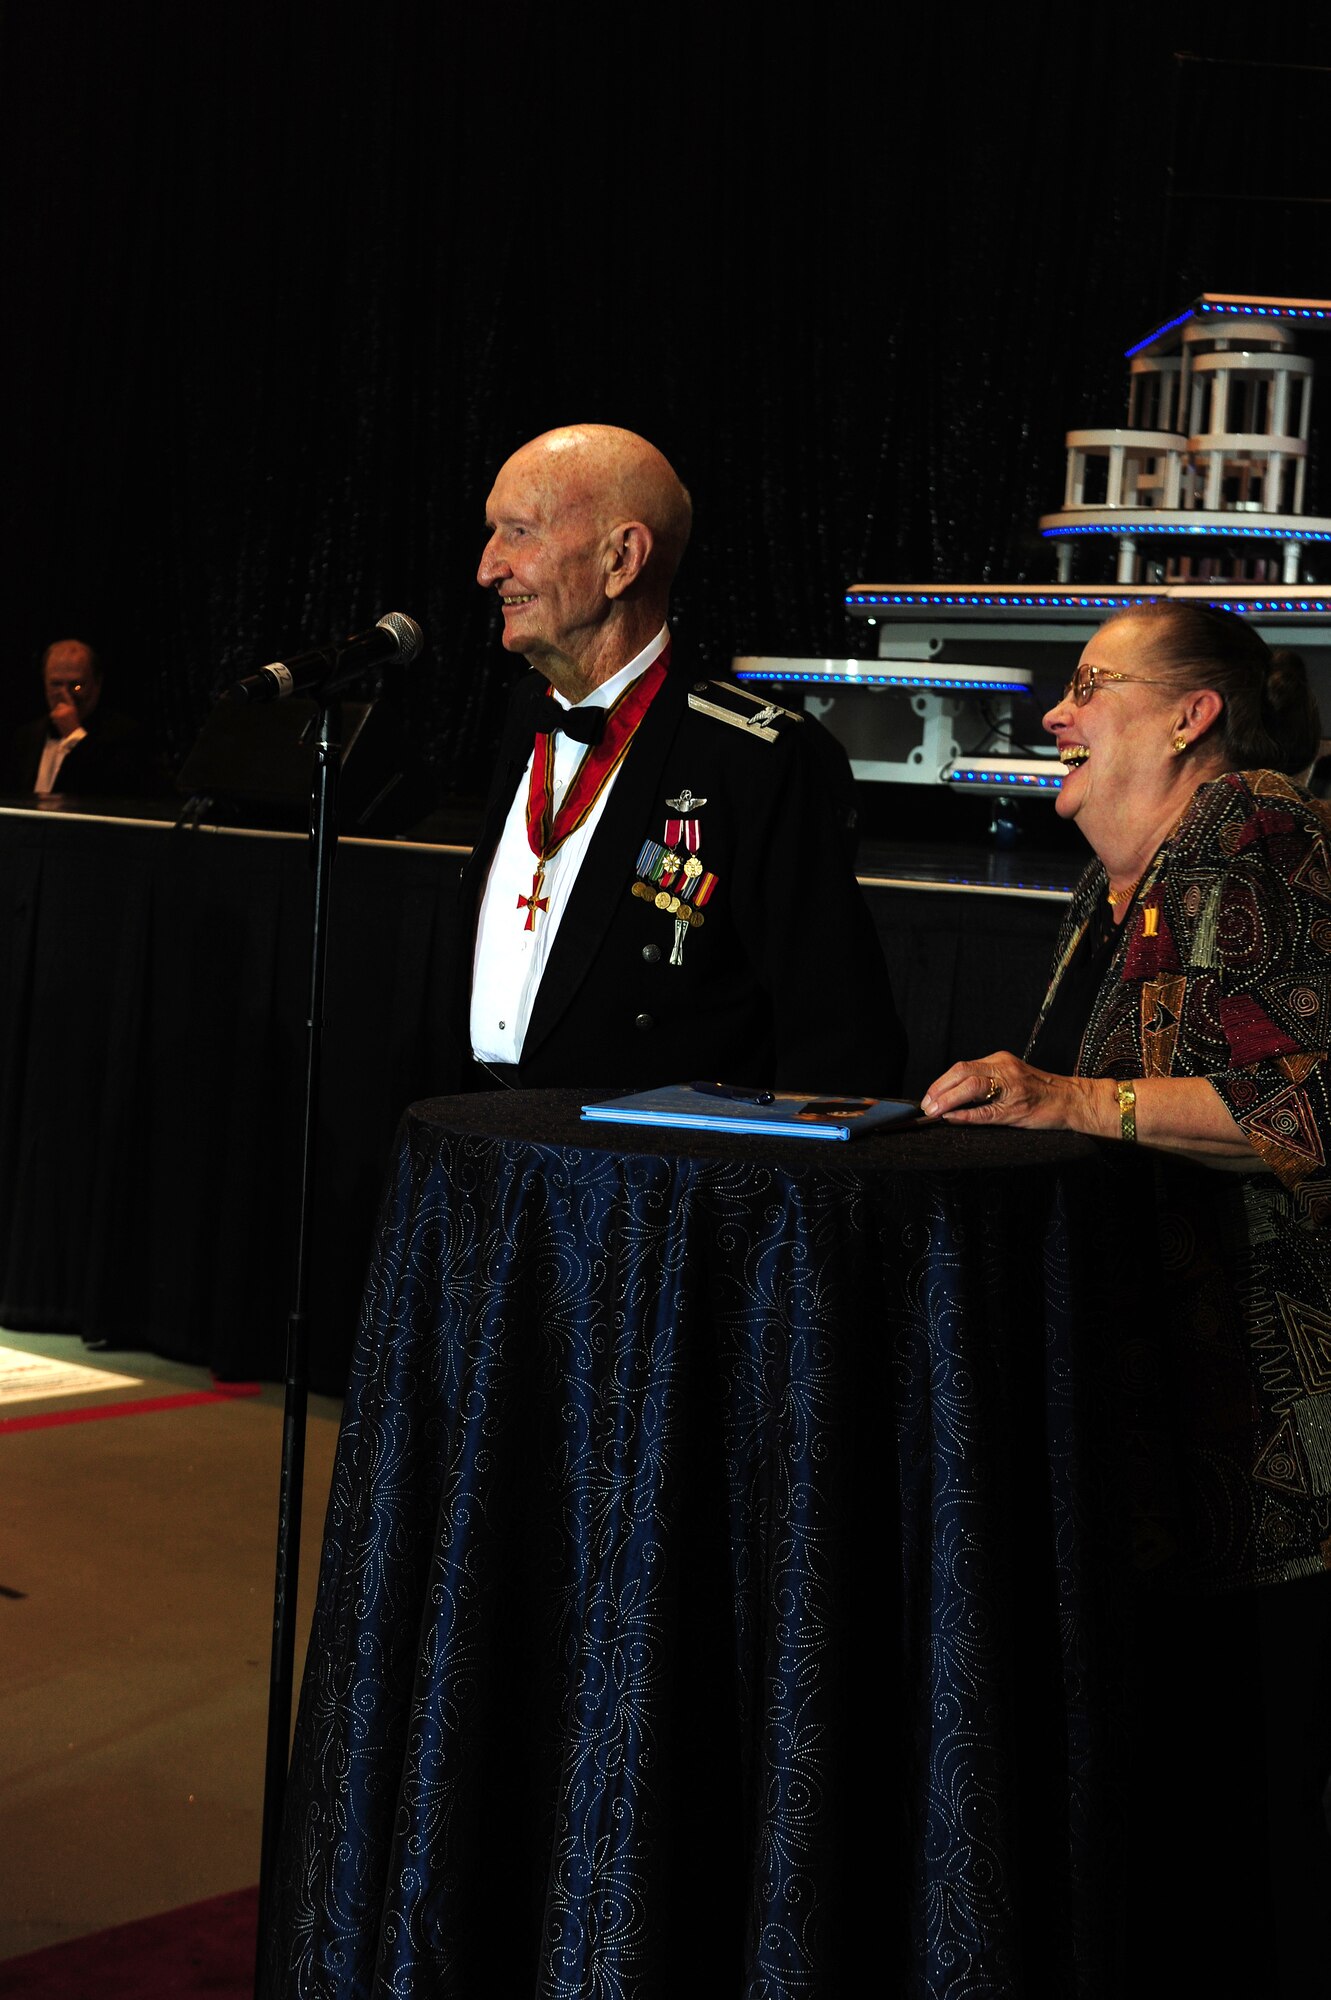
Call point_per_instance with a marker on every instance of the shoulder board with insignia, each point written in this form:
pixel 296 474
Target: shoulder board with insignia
pixel 752 713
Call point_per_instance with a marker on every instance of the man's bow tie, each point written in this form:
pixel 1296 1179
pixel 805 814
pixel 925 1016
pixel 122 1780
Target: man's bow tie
pixel 584 725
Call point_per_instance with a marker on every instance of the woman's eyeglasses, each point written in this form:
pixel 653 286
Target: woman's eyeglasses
pixel 1088 678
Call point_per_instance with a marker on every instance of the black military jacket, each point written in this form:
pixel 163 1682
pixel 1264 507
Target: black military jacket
pixel 783 981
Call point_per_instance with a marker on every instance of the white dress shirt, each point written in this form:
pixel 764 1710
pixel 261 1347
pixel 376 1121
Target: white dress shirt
pixel 54 752
pixel 509 959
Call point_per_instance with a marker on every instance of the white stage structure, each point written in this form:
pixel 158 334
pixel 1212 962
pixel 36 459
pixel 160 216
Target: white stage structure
pixel 1201 494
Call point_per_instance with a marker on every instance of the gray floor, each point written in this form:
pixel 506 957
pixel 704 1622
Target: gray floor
pixel 136 1594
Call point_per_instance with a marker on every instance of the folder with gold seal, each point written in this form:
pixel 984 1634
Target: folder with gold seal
pixel 771 1114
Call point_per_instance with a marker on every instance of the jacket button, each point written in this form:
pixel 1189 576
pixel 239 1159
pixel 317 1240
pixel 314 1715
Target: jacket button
pixel 644 1021
pixel 651 952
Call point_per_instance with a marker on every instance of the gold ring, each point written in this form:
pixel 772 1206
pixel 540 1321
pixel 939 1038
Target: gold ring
pixel 995 1088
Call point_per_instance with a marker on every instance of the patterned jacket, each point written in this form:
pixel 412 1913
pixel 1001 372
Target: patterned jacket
pixel 1224 971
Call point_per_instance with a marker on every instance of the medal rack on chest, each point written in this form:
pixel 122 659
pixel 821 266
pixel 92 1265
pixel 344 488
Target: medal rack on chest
pixel 671 875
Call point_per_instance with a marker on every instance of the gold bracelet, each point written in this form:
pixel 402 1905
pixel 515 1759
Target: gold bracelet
pixel 1127 1112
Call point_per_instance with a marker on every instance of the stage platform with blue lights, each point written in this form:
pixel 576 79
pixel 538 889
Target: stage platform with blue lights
pixel 1200 495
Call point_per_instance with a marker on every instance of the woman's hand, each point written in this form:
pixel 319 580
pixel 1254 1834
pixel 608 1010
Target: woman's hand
pixel 1002 1090
pixel 1174 1114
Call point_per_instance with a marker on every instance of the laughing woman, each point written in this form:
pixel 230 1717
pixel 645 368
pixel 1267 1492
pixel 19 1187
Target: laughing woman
pixel 1189 1010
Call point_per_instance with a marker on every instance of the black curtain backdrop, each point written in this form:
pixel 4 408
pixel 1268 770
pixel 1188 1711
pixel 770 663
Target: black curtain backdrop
pixel 285 282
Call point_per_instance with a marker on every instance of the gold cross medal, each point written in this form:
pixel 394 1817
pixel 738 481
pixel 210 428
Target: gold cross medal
pixel 536 901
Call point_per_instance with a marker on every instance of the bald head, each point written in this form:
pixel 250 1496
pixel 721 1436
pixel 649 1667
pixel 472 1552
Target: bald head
pixel 72 680
pixel 619 476
pixel 587 525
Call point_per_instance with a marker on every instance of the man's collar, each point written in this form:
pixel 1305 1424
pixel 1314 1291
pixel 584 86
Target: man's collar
pixel 610 691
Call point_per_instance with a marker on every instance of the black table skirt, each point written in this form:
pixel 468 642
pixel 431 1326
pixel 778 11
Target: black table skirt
pixel 722 1587
pixel 152 1006
pixel 153 994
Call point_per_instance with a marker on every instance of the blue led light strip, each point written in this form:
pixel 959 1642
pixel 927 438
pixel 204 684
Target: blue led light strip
pixel 1273 606
pixel 1151 529
pixel 1235 309
pixel 1047 601
pixel 1168 327
pixel 1220 308
pixel 1005 781
pixel 890 680
pixel 1270 606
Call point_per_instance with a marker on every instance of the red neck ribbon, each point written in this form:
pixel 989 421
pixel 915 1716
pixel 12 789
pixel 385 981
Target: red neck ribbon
pixel 546 835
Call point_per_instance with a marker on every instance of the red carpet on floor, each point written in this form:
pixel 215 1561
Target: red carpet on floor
pixel 202 1949
pixel 143 1406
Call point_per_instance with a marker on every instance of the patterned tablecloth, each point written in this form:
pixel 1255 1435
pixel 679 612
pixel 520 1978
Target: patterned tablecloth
pixel 718 1590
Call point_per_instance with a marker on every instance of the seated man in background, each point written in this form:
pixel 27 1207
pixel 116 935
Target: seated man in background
pixel 78 747
pixel 662 888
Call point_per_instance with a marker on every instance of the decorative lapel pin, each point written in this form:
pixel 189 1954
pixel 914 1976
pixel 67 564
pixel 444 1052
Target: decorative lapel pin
pixel 684 832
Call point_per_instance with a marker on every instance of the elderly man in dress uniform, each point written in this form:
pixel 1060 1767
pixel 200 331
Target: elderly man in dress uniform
pixel 662 889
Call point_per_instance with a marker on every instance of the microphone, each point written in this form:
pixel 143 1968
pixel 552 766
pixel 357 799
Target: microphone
pixel 394 637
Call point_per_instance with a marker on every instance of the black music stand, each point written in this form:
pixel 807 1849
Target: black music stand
pixel 253 765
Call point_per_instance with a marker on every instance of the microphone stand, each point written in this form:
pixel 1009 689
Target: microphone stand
pixel 323 847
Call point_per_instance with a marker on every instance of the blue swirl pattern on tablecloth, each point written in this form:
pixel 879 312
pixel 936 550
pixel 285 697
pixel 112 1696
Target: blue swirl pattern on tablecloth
pixel 489 1744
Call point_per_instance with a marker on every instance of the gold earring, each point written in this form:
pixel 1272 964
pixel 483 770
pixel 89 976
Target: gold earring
pixel 1180 745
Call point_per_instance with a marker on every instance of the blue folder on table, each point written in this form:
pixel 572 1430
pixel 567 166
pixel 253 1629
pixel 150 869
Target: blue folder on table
pixel 792 1114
